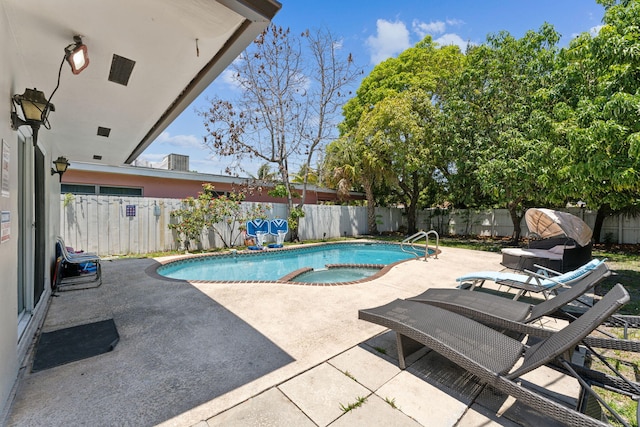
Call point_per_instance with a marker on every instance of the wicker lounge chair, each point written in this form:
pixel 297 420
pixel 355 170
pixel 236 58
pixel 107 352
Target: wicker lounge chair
pixel 491 355
pixel 517 316
pixel 499 311
pixel 530 282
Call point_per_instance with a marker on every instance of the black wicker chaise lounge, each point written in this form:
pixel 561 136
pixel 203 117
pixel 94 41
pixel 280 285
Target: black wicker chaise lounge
pixel 502 312
pixel 491 355
pixel 517 316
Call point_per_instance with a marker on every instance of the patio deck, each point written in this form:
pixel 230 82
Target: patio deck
pixel 260 354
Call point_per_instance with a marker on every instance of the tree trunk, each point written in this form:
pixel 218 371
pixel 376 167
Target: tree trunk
pixel 371 206
pixel 603 212
pixel 411 218
pixel 516 220
pixel 411 198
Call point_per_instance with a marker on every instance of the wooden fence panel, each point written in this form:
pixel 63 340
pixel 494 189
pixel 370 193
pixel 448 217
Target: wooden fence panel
pixel 100 223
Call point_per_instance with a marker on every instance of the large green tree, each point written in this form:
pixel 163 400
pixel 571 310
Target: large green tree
pixel 598 115
pixel 348 165
pixel 399 132
pixel 393 119
pixel 506 136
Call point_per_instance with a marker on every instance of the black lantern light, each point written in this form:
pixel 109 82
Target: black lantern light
pixel 35 110
pixel 60 166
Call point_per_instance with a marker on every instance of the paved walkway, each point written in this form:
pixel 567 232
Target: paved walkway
pixel 260 354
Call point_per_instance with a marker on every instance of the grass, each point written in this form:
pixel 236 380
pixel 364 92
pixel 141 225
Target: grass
pixel 391 402
pixel 628 364
pixel 380 350
pixel 359 401
pixel 348 374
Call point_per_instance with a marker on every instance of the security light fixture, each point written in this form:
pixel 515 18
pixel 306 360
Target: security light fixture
pixel 60 166
pixel 35 106
pixel 35 110
pixel 76 55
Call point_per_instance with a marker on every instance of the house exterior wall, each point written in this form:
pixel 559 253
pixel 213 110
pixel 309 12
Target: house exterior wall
pixel 179 187
pixel 8 249
pixel 17 332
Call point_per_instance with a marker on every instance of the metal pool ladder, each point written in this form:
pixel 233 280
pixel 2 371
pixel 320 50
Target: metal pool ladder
pixel 411 246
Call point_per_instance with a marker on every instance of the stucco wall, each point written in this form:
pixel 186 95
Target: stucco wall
pixel 8 250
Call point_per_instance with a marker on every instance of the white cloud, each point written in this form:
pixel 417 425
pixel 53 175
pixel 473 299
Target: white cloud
pixel 454 22
pixel 435 28
pixel 423 28
pixel 594 31
pixel 391 38
pixel 449 39
pixel 229 78
pixel 181 141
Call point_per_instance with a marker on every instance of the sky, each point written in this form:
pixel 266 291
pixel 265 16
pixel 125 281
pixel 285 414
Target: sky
pixel 373 31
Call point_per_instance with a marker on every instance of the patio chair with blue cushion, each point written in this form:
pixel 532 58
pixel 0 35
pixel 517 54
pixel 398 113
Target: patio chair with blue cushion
pixel 492 356
pixel 496 310
pixel 279 228
pixel 75 270
pixel 517 316
pixel 540 282
pixel 257 228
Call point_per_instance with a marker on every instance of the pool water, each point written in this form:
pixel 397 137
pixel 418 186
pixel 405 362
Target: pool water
pixel 273 265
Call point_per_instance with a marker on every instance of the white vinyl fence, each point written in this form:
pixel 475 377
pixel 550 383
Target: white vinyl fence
pixel 497 223
pixel 113 225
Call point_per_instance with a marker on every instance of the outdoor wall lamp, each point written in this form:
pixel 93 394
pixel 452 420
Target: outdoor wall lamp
pixel 76 55
pixel 60 166
pixel 35 106
pixel 35 110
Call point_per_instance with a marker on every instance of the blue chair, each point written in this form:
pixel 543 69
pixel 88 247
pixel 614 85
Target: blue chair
pixel 257 228
pixel 279 228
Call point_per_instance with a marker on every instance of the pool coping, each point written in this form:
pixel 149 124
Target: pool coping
pixel 288 278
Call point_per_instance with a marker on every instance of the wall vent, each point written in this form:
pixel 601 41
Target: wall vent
pixel 102 131
pixel 121 69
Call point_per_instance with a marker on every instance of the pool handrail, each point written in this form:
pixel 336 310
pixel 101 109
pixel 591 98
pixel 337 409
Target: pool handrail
pixel 414 249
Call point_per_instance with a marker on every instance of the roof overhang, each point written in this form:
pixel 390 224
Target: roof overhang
pixel 179 48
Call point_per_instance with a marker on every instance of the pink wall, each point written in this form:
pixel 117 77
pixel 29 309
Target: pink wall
pixel 176 188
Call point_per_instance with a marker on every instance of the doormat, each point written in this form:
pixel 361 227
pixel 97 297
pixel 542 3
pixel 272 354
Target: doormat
pixel 75 343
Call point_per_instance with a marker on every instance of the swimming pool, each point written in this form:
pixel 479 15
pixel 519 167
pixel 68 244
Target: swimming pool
pixel 274 265
pixel 336 274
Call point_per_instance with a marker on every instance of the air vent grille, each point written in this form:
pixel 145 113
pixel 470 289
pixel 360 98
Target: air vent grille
pixel 121 69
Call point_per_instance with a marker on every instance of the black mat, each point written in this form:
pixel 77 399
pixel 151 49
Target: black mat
pixel 76 343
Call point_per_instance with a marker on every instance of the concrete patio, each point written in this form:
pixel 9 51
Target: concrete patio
pixel 261 354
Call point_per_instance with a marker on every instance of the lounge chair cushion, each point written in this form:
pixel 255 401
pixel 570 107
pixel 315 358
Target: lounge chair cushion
pixel 503 277
pixel 533 253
